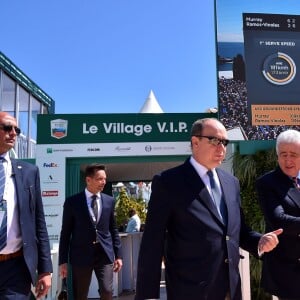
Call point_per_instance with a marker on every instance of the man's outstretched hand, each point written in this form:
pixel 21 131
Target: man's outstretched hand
pixel 269 241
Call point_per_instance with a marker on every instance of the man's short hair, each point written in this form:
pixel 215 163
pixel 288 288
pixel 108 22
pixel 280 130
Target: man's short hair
pixel 290 136
pixel 93 168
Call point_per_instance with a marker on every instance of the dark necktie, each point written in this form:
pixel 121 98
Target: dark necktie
pixel 3 207
pixel 297 182
pixel 95 207
pixel 217 197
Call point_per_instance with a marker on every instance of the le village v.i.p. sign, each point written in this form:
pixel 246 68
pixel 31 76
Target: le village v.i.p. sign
pixel 104 128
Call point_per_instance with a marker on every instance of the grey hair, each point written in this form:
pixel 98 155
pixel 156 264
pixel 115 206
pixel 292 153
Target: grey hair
pixel 289 136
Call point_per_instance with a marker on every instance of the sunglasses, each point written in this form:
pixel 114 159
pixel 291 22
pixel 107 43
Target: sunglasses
pixel 9 128
pixel 214 140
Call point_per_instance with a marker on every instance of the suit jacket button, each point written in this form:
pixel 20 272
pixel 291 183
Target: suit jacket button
pixel 227 237
pixel 226 261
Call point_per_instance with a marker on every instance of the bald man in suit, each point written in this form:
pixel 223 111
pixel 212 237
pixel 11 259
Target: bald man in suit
pixel 25 258
pixel 198 236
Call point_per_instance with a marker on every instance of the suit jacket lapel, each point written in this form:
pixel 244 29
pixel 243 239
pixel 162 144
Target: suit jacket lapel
pixel 197 185
pixel 17 176
pixel 84 207
pixel 209 203
pixel 227 191
pixel 101 205
pixel 292 192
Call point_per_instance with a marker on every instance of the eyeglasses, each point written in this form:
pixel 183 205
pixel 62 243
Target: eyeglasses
pixel 9 128
pixel 214 140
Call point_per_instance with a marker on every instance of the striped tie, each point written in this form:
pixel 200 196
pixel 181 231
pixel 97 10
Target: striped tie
pixel 297 182
pixel 3 208
pixel 95 207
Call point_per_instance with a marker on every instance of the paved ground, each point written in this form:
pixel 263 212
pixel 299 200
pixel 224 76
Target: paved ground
pixel 130 296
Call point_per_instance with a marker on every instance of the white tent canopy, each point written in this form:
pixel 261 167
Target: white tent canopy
pixel 151 105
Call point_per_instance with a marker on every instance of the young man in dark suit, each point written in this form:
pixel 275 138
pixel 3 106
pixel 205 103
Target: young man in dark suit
pixel 89 237
pixel 279 196
pixel 195 222
pixel 25 256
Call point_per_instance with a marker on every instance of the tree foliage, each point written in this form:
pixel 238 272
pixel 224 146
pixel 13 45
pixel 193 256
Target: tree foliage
pixel 124 204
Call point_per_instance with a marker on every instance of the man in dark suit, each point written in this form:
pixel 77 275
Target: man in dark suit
pixel 89 237
pixel 25 256
pixel 196 232
pixel 279 196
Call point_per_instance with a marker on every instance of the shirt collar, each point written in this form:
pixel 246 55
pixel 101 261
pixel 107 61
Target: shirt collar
pixel 200 169
pixel 6 156
pixel 89 194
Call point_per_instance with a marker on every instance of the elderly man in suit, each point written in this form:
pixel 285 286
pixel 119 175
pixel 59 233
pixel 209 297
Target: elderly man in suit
pixel 89 237
pixel 195 222
pixel 25 256
pixel 279 196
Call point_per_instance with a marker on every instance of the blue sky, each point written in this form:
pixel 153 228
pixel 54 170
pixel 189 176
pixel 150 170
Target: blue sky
pixel 104 56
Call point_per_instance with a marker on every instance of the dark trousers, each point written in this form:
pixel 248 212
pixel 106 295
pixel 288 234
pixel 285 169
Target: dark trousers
pixel 15 280
pixel 81 277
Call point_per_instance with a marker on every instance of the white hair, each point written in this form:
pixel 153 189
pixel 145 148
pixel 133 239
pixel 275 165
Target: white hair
pixel 289 136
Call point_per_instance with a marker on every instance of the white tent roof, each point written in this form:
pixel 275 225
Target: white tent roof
pixel 151 105
pixel 236 134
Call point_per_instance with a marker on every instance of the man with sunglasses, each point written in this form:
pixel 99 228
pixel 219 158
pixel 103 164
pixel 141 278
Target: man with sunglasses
pixel 25 256
pixel 195 222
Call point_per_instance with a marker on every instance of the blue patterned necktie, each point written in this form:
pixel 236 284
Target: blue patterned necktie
pixel 217 197
pixel 3 207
